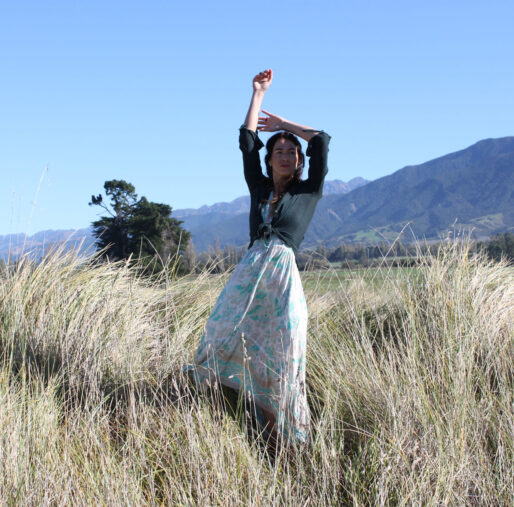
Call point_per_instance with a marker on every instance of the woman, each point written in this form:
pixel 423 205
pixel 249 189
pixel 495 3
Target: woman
pixel 255 338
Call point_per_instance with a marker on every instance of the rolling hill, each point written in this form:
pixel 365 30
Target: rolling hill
pixel 469 189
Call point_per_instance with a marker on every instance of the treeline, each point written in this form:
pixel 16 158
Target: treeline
pixel 348 256
pixel 351 256
pixel 361 255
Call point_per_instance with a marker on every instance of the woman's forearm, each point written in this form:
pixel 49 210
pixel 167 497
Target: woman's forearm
pixel 273 122
pixel 252 116
pixel 302 131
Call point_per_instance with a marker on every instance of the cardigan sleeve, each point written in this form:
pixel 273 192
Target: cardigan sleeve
pixel 250 144
pixel 317 151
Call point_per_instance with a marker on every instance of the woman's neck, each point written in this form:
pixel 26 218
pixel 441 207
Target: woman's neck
pixel 281 186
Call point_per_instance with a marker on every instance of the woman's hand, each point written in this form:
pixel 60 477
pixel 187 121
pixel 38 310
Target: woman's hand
pixel 271 123
pixel 262 81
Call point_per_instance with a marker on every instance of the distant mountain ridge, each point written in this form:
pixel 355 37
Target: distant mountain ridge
pixel 473 188
pixel 470 189
pixel 12 246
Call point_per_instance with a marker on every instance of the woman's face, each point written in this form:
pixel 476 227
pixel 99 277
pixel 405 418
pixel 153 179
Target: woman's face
pixel 284 159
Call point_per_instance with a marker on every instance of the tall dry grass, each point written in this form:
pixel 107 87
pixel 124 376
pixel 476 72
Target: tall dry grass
pixel 410 385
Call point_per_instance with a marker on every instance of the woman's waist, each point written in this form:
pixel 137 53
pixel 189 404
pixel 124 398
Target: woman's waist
pixel 271 239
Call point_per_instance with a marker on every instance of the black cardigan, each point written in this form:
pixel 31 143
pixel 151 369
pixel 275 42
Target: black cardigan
pixel 294 211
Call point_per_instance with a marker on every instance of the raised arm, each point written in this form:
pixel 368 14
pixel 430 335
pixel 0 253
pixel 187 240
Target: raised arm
pixel 249 141
pixel 261 82
pixel 272 123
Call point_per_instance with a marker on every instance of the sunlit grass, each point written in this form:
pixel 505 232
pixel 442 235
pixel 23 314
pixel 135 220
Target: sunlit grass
pixel 410 383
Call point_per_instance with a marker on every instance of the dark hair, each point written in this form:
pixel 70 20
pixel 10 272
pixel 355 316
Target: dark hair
pixel 270 144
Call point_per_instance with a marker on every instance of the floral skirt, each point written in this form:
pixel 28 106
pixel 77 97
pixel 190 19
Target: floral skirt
pixel 255 338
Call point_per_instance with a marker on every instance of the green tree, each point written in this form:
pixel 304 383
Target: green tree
pixel 113 230
pixel 138 227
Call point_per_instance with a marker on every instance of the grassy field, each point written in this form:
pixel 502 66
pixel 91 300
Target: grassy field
pixel 335 279
pixel 410 382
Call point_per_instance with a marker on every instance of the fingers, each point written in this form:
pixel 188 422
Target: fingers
pixel 269 118
pixel 266 75
pixel 267 124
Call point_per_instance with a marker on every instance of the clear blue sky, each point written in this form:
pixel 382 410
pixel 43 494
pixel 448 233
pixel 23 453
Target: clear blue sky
pixel 153 92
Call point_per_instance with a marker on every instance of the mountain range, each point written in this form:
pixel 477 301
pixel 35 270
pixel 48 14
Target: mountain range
pixel 471 189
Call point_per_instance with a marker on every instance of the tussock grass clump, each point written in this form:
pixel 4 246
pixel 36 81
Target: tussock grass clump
pixel 410 375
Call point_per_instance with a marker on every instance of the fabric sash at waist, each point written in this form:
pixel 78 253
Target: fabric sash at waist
pixel 265 230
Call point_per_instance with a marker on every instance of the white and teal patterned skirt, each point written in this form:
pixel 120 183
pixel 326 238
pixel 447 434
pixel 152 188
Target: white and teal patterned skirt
pixel 255 337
